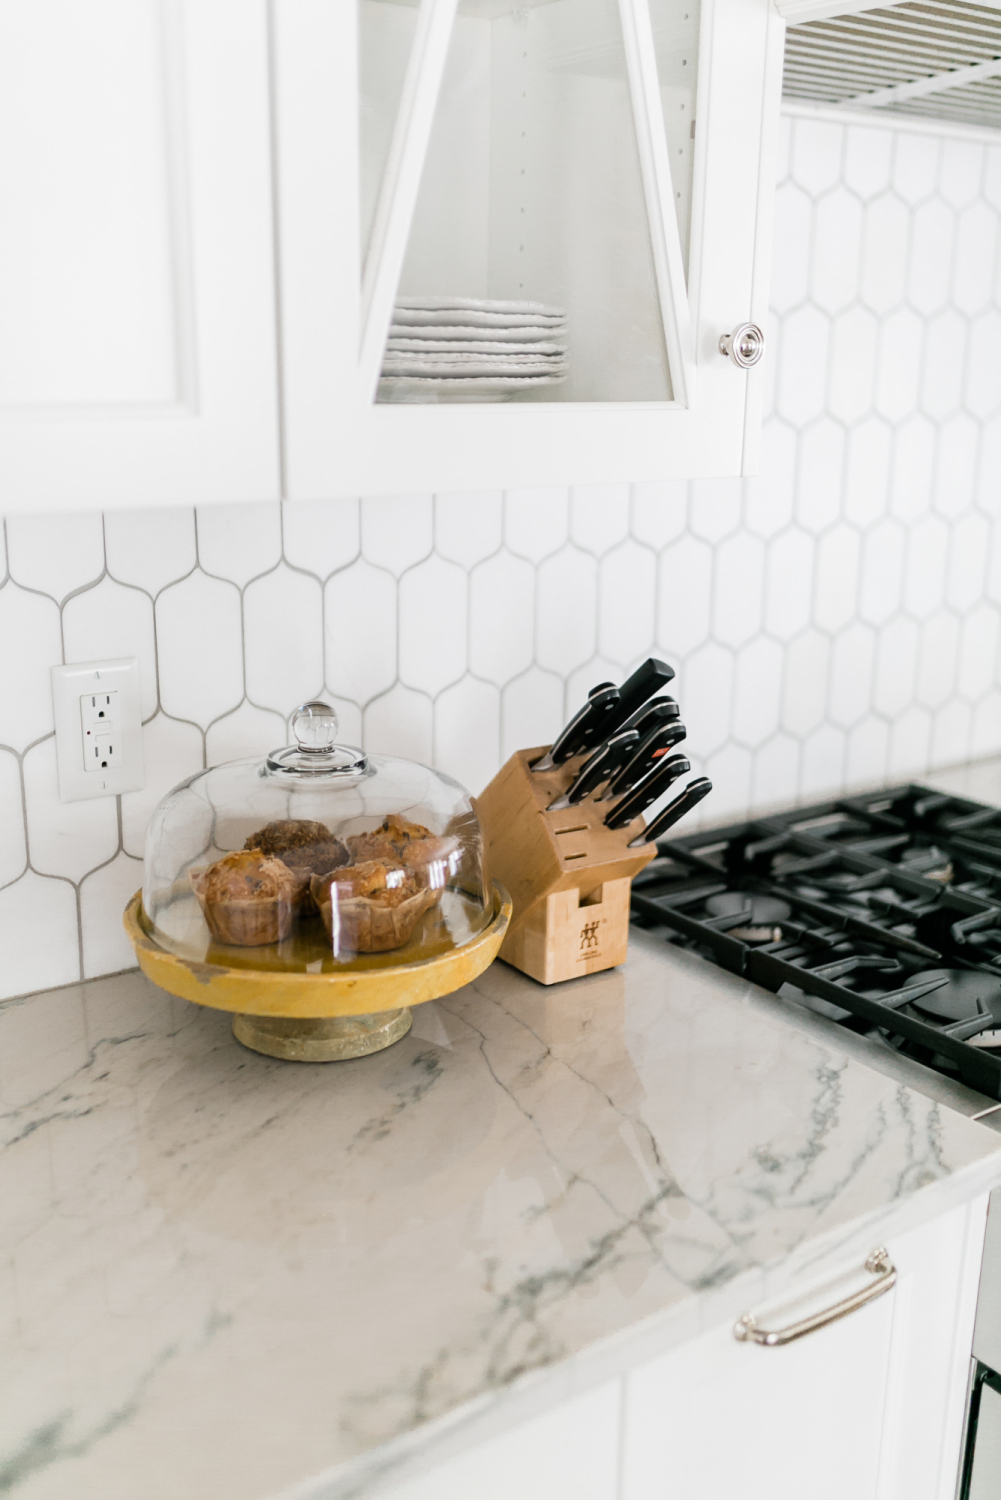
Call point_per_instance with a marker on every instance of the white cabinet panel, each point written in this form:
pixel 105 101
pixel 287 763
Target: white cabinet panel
pixel 137 320
pixel 568 1454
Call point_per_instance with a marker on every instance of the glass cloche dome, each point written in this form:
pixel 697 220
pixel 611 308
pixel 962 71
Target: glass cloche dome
pixel 316 859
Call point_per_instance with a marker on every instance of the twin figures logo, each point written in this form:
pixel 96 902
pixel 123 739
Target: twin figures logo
pixel 589 938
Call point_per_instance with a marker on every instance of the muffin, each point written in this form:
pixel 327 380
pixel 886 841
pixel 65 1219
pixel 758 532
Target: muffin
pixel 371 906
pixel 247 898
pixel 398 841
pixel 306 848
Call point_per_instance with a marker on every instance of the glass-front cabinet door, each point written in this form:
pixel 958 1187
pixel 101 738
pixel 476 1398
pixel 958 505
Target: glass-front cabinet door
pixel 512 234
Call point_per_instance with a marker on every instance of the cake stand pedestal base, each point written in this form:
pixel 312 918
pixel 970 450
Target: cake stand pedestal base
pixel 299 1039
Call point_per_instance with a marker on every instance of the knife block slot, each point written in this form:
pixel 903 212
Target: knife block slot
pixel 568 875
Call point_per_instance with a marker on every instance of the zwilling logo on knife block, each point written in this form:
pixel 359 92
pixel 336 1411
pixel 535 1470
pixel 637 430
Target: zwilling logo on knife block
pixel 589 946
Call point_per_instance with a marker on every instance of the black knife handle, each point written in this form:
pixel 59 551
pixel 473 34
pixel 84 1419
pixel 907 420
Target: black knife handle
pixel 656 782
pixel 682 804
pixel 589 726
pixel 605 761
pixel 649 753
pixel 644 682
pixel 659 711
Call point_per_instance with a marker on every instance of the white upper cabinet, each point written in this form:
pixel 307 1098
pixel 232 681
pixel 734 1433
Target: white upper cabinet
pixel 512 235
pixel 137 305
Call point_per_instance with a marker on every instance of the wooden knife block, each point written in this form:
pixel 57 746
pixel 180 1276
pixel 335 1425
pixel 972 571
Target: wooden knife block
pixel 567 874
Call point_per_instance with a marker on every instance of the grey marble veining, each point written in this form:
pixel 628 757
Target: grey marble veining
pixel 222 1274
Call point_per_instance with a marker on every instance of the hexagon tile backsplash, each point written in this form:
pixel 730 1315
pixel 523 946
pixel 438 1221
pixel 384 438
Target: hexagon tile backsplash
pixel 834 622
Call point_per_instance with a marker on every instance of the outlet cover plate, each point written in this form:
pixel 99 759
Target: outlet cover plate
pixel 69 685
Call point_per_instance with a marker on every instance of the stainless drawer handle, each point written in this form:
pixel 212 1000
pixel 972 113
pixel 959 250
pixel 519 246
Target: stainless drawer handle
pixel 878 1264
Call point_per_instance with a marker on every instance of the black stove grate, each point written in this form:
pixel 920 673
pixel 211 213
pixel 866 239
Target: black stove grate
pixel 881 911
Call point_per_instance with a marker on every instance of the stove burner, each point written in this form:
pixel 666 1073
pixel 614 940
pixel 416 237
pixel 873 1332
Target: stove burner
pixel 957 999
pixel 763 915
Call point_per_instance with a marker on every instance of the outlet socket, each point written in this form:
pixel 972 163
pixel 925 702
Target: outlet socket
pixel 99 747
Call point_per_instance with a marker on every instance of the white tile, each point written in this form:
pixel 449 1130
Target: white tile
pixel 246 731
pixel 397 530
pixel 239 542
pixel 866 750
pixel 659 512
pixel 898 367
pixel 13 852
pixel 360 632
pixel 915 165
pixel 982 390
pixel 501 617
pixel 896 667
pixel 989 467
pixel 770 498
pixel 64 838
pixel 992 176
pixel 976 251
pixel 730 771
pixel 684 595
pixel 836 577
pixel 822 763
pixel 468 527
pixel 961 168
pixel 951 733
pixel 930 271
pixel 31 621
pixel 985 734
pixel 883 275
pixel 757 692
pixel 714 508
pixel 400 723
pixel 789 583
pixel 854 338
pixel 433 625
pixel 944 361
pixel 200 648
pixel 738 589
pixel 783 149
pixel 627 597
pixel 868 160
pixel 968 549
pixel 566 610
pixel 776 772
pixel 837 245
pixel 536 522
pixel 910 744
pixel 467 732
pixel 349 719
pixel 321 535
pixel 913 468
pixel 791 235
pixel 172 751
pixel 821 474
pixel 113 620
pixel 283 639
pixel 103 897
pixel 804 688
pixel 55 555
pixel 978 652
pixel 852 659
pixel 956 465
pixel 867 471
pixel 817 148
pixel 924 578
pixel 802 372
pixel 993 579
pixel 705 694
pixel 531 711
pixel 599 516
pixel 38 935
pixel 882 573
pixel 150 548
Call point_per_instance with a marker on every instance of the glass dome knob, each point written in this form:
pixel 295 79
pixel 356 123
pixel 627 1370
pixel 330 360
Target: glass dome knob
pixel 314 726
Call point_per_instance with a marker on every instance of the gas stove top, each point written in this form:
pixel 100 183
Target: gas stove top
pixel 881 912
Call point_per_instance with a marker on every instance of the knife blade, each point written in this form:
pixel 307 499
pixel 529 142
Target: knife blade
pixel 653 785
pixel 606 760
pixel 589 726
pixel 668 816
pixel 649 752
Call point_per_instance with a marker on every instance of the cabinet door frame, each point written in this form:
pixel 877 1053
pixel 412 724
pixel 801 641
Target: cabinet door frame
pixel 219 438
pixel 338 441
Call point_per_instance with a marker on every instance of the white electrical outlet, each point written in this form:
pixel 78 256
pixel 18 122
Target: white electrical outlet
pixel 99 743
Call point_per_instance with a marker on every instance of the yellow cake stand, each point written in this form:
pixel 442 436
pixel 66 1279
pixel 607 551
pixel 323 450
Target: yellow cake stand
pixel 318 1017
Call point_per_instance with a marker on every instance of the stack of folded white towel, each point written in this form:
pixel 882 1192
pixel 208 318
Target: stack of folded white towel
pixel 470 345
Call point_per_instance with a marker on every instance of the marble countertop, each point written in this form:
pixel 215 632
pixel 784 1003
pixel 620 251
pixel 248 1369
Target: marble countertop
pixel 226 1277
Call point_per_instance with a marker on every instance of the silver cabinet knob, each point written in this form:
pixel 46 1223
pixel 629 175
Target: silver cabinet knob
pixel 745 345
